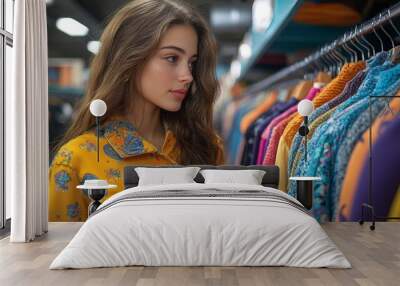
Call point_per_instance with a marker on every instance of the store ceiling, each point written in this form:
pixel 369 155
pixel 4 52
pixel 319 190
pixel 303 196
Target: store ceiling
pixel 95 14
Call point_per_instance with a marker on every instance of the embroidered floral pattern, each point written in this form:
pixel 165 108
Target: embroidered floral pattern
pixel 125 140
pixel 64 156
pixel 88 146
pixel 113 175
pixel 75 163
pixel 110 152
pixel 73 210
pixel 133 145
pixel 62 179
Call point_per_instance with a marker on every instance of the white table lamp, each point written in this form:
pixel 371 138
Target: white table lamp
pixel 98 108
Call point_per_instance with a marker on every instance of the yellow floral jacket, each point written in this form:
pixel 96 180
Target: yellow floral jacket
pixel 76 161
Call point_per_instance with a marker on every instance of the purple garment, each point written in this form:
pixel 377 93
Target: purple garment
pixel 253 133
pixel 266 135
pixel 385 172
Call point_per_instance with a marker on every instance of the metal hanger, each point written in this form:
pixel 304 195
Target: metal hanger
pixel 345 48
pixel 337 59
pixel 332 59
pixel 315 67
pixel 376 34
pixel 328 59
pixel 385 32
pixel 362 45
pixel 308 75
pixel 321 60
pixel 369 44
pixel 354 42
pixel 319 63
pixel 388 35
pixel 396 50
pixel 339 55
pixel 352 52
pixel 394 27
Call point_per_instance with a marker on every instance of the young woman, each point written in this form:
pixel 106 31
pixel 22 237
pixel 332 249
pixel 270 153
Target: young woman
pixel 156 72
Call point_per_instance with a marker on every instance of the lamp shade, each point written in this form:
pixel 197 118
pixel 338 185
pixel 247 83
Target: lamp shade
pixel 305 107
pixel 98 107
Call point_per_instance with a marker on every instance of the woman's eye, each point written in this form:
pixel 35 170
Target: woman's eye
pixel 172 59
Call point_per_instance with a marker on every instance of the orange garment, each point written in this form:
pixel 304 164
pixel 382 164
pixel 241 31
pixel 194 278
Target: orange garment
pixel 252 116
pixel 301 89
pixel 358 157
pixel 289 94
pixel 323 77
pixel 334 88
pixel 327 14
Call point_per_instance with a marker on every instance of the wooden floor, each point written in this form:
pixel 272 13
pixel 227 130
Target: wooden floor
pixel 374 255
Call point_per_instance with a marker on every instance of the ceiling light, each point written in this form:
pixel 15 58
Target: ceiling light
pixel 71 27
pixel 263 11
pixel 235 69
pixel 93 46
pixel 245 51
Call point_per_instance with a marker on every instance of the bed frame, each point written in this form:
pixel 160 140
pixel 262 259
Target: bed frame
pixel 270 179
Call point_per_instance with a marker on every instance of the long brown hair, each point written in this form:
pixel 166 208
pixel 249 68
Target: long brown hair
pixel 130 38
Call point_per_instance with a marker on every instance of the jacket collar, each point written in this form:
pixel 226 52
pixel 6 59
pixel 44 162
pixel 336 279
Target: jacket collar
pixel 124 138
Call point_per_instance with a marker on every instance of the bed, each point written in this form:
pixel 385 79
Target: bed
pixel 201 224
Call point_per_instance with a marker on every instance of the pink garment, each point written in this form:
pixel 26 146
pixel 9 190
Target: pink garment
pixel 267 132
pixel 270 154
pixel 266 135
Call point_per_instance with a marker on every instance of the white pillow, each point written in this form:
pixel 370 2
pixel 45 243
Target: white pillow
pixel 163 176
pixel 248 177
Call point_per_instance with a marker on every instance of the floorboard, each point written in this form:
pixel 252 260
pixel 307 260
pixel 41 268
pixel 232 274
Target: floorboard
pixel 374 255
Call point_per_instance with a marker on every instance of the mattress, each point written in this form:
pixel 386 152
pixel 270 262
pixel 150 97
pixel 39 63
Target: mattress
pixel 201 225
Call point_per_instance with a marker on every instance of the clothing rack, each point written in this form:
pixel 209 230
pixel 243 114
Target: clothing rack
pixel 330 57
pixel 369 206
pixel 327 52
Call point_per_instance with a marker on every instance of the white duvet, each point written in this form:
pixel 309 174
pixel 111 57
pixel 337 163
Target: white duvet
pixel 183 231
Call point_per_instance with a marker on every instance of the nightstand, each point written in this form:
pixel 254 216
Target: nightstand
pixel 305 190
pixel 96 190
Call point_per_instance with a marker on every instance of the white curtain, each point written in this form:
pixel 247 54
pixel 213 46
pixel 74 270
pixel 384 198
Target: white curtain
pixel 27 147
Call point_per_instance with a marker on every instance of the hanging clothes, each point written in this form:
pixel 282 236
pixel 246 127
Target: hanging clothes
pixel 350 89
pixel 319 116
pixel 385 173
pixel 270 153
pixel 333 89
pixel 266 135
pixel 234 137
pixel 319 125
pixel 253 134
pixel 265 131
pixel 252 137
pixel 325 142
pixel 388 86
pixel 357 160
pixel 252 116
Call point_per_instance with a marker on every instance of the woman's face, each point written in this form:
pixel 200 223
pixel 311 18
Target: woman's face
pixel 167 75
